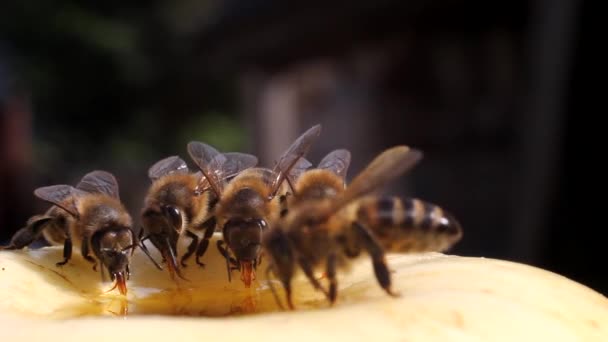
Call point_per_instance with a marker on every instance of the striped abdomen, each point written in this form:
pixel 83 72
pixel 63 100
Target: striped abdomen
pixel 408 225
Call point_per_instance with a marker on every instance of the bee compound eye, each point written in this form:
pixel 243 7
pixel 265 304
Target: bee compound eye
pixel 173 216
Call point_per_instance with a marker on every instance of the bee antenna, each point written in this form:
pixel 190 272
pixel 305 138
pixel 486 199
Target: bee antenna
pixel 141 233
pixel 146 252
pixel 269 270
pixel 141 236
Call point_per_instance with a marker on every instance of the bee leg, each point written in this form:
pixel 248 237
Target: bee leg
pixel 224 252
pixel 305 266
pixel 378 258
pixel 287 287
pixel 67 252
pixel 26 235
pixel 84 250
pixel 231 263
pixel 191 248
pixel 331 276
pixel 270 270
pixel 209 226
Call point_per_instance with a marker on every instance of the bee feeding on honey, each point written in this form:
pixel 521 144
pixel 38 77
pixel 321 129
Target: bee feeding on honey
pixel 179 203
pixel 89 217
pixel 299 216
pixel 248 202
pixel 329 224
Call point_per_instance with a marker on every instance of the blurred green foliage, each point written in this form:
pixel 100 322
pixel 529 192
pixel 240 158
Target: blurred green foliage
pixel 114 84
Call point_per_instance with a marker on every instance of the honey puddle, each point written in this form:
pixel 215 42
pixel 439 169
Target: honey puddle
pixel 75 290
pixel 192 301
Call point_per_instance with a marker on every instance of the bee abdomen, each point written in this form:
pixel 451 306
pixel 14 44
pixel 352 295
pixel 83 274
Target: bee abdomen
pixel 409 224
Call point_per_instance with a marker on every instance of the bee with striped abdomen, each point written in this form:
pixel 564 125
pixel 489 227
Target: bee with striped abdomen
pixel 180 203
pixel 328 227
pixel 248 202
pixel 408 225
pixel 89 217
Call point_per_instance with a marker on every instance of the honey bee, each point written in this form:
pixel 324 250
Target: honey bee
pixel 179 203
pixel 248 202
pixel 328 225
pixel 89 217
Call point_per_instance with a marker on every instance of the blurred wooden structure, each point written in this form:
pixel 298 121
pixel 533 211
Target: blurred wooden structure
pixel 477 86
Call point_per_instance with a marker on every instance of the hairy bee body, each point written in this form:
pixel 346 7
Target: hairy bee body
pixel 182 203
pixel 399 225
pixel 246 205
pixel 175 206
pixel 248 196
pixel 372 224
pixel 317 184
pixel 179 190
pixel 89 217
pixel 328 223
pixel 250 200
pixel 99 214
pixel 55 231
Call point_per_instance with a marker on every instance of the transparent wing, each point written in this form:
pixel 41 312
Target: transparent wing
pixel 210 161
pixel 166 166
pixel 296 171
pixel 63 196
pixel 387 166
pixel 237 162
pixel 299 168
pixel 290 157
pixel 99 181
pixel 336 161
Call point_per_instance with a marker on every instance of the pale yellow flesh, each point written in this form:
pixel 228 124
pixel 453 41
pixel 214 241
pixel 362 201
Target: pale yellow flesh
pixel 443 298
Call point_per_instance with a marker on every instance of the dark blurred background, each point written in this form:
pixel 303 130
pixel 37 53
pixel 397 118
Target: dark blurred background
pixel 488 90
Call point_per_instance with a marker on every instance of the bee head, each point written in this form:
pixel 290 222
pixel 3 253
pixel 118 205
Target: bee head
pixel 244 237
pixel 113 247
pixel 162 226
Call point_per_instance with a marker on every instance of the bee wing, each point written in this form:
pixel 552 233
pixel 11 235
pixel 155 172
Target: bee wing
pixel 296 171
pixel 336 161
pixel 166 166
pixel 237 162
pixel 99 181
pixel 63 196
pixel 290 158
pixel 387 166
pixel 210 161
pixel 299 168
